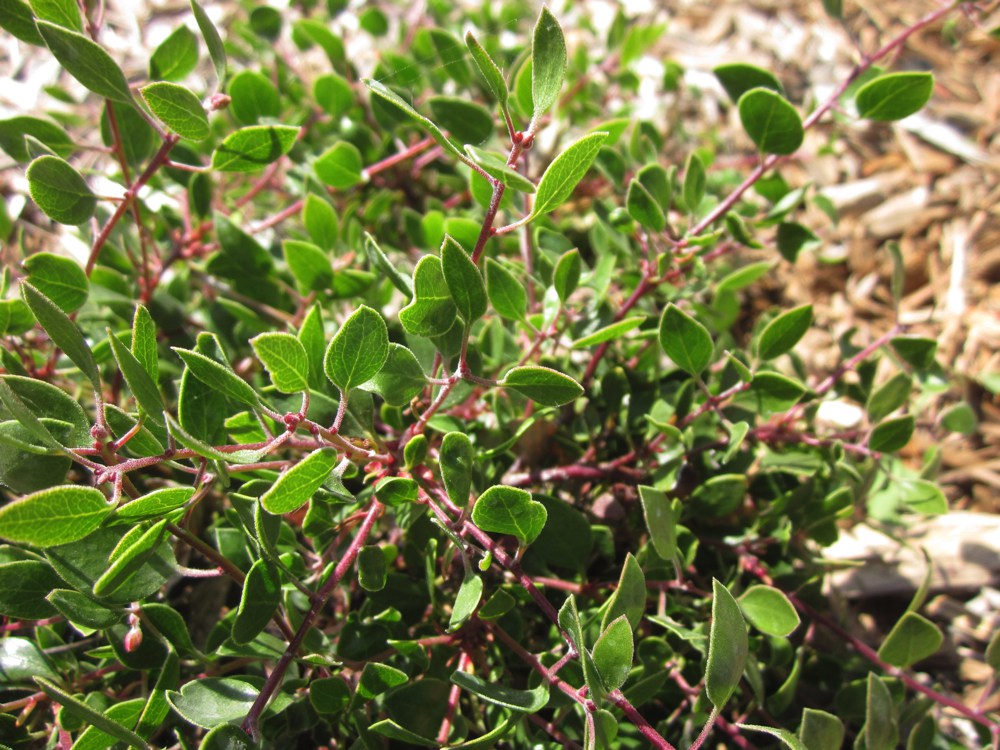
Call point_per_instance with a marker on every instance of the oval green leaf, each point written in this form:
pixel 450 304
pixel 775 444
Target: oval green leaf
pixel 509 510
pixel 548 62
pixel 565 171
pixel 542 385
pixel 465 281
pixel 894 96
pixel 358 350
pixel 217 376
pixel 253 148
pixel 60 191
pixel 728 646
pixel 613 653
pixel 768 610
pixel 260 598
pixel 178 109
pixel 784 332
pixel 339 166
pixel 299 484
pixel 456 459
pixel 285 359
pixel 912 639
pixel 771 122
pixel 54 516
pixel 86 61
pixel 686 341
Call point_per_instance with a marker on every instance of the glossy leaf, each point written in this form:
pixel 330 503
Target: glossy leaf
pixel 457 458
pixel 253 97
pixel 890 396
pixel 14 129
pixel 82 609
pixel 178 109
pixel 543 385
pixel 464 280
pixel 643 207
pixel 488 69
pixel 24 584
pixel 565 172
pixel 372 569
pixel 309 264
pixel 378 678
pixel 660 521
pixel 793 238
pixel 495 165
pixel 784 332
pixel 54 516
pixel 892 434
pixel 60 191
pixel 144 346
pixel 128 559
pixel 358 350
pixel 17 19
pixel 175 57
pixel 916 351
pixel 86 61
pixel 686 341
pixel 211 701
pixel 432 311
pixel 548 62
pixel 506 293
pixel 218 377
pixel 285 359
pixel 913 638
pixel 297 485
pixel 894 96
pixel 470 593
pixel 769 610
pixel 773 392
pixel 258 603
pixel 227 737
pixel 770 121
pixel 728 646
pixel 339 166
pixel 334 94
pixel 464 120
pixel 509 510
pixel 253 148
pixel 613 653
pixel 738 78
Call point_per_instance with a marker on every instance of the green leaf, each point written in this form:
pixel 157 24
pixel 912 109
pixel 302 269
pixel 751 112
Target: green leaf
pixel 53 516
pixel 738 78
pixel 992 655
pixel 788 739
pixel 175 57
pixel 820 730
pixel 253 148
pixel 334 94
pixel 258 603
pixel 145 390
pixel 488 69
pixel 358 350
pixel 695 182
pixel 834 9
pixel 60 191
pixel 464 120
pixel 144 347
pixel 178 109
pixel 16 17
pixel 548 63
pixel 643 207
pixel 880 731
pixel 959 418
pixel 522 701
pixel 469 595
pixel 923 496
pixel 506 293
pixel 892 434
pixel 916 351
pixel 227 737
pixel 464 280
pixel 21 661
pixel 889 397
pixel 63 331
pixel 329 695
pixel 629 598
pixel 14 129
pixel 372 569
pixel 770 121
pixel 154 504
pixel 495 165
pixel 400 379
pixel 378 678
pixel 913 638
pixel 686 341
pixel 297 485
pixel 894 96
pixel 320 220
pixel 285 359
pixel 218 377
pixel 728 646
pixel 566 276
pixel 86 61
pixel 24 413
pixel 216 50
pixel 392 730
pixel 772 392
pixel 456 459
pixel 24 584
pixel 432 311
pixel 660 520
pixel 59 278
pixel 609 332
pixel 379 259
pixel 211 701
pixel 784 332
pixel 793 238
pixel 613 653
pixel 253 97
pixel 744 277
pixel 82 609
pixel 238 456
pixel 542 385
pixel 340 166
pixel 386 94
pixel 309 31
pixel 309 264
pixel 565 171
pixel 15 319
pixel 90 716
pixel 129 559
pixel 509 510
pixel 768 610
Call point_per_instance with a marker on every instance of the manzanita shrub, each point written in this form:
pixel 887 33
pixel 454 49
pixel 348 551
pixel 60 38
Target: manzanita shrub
pixel 415 405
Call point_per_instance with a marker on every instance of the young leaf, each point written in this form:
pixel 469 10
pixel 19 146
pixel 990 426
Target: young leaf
pixel 286 361
pixel 495 165
pixel 890 396
pixel 610 332
pixel 695 182
pixel 738 78
pixel 386 94
pixel 659 514
pixel 432 311
pixel 54 516
pixel 565 171
pixel 456 459
pixel 768 610
pixel 216 50
pixel 880 730
pixel 175 57
pixel 63 332
pixel 129 559
pixel 643 207
pixel 260 598
pixel 396 491
pixel 309 264
pixel 916 351
pixel 340 166
pixel 686 341
pixel 771 122
pixel 59 278
pixel 912 639
pixel 400 379
pixel 297 485
pixel 506 293
pixel 728 646
pixel 566 276
pixel 509 510
pixel 218 377
pixel 522 701
pixel 465 282
pixel 542 385
pixel 773 392
pixel 253 97
pixel 86 61
pixel 178 109
pixel 154 505
pixel 147 394
pixel 253 148
pixel 613 653
pixel 469 595
pixel 60 191
pixel 793 238
pixel 144 347
pixel 892 434
pixel 488 69
pixel 334 94
pixel 358 350
pixel 820 730
pixel 784 332
pixel 321 222
pixel 14 129
pixel 629 598
pixel 894 96
pixel 548 63
pixel 378 258
pixel 91 716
